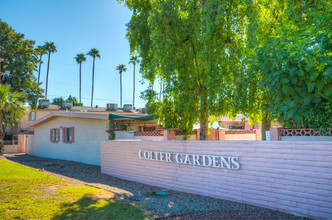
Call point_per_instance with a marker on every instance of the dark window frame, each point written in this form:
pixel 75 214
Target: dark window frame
pixel 65 132
pixel 30 118
pixel 55 136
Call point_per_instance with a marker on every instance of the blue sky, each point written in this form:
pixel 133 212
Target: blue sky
pixel 76 26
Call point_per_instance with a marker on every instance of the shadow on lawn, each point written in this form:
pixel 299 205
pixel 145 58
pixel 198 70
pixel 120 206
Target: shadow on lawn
pixel 177 205
pixel 92 208
pixel 87 173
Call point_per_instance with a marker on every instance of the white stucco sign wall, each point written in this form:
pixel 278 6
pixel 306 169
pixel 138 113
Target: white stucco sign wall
pixel 294 177
pixel 223 162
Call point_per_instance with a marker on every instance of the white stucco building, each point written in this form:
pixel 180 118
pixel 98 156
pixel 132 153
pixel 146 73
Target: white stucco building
pixel 76 136
pixel 69 136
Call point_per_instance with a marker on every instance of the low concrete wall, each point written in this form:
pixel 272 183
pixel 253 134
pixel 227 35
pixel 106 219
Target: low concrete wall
pixel 11 149
pixel 287 176
pixel 306 138
pixel 124 135
pixel 182 137
pixel 160 138
pixel 17 148
pixel 240 137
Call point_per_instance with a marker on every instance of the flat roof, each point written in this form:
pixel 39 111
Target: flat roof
pixel 87 115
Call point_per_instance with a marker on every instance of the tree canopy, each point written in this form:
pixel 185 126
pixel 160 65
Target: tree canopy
pixel 20 58
pixel 59 101
pixel 288 67
pixel 196 48
pixel 231 57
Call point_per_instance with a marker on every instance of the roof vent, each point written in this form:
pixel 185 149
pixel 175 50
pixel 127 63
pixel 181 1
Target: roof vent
pixel 67 104
pixel 111 107
pixel 127 107
pixel 44 103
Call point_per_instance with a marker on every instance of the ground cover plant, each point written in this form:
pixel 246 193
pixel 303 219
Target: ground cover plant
pixel 27 193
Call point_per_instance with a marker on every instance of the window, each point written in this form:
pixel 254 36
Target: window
pixel 68 135
pixel 55 135
pixel 32 116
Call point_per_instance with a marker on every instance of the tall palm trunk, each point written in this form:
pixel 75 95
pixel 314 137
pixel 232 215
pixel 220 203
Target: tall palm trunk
pixel 80 82
pixel 40 62
pixel 48 68
pixel 134 89
pixel 93 79
pixel 2 134
pixel 120 90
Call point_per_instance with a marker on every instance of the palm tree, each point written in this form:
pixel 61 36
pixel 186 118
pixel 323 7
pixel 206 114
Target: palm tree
pixel 50 47
pixel 10 107
pixel 134 60
pixel 41 50
pixel 121 68
pixel 79 59
pixel 94 53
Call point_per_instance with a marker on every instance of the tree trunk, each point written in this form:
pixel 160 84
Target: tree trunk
pixel 266 125
pixel 134 89
pixel 204 124
pixel 2 135
pixel 93 80
pixel 48 68
pixel 120 90
pixel 40 62
pixel 80 82
pixel 161 87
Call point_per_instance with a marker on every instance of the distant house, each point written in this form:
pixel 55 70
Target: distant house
pixel 76 136
pixel 237 123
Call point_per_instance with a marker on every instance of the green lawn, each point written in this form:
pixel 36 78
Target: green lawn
pixel 27 193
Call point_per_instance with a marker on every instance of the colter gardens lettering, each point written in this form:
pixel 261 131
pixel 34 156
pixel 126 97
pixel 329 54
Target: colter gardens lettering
pixel 223 162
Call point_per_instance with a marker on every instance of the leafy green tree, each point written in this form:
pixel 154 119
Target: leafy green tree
pixel 196 48
pixel 319 117
pixel 59 101
pixel 79 59
pixel 287 64
pixel 93 53
pixel 297 70
pixel 11 109
pixel 41 50
pixel 121 68
pixel 75 102
pixel 134 60
pixel 50 47
pixel 20 58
